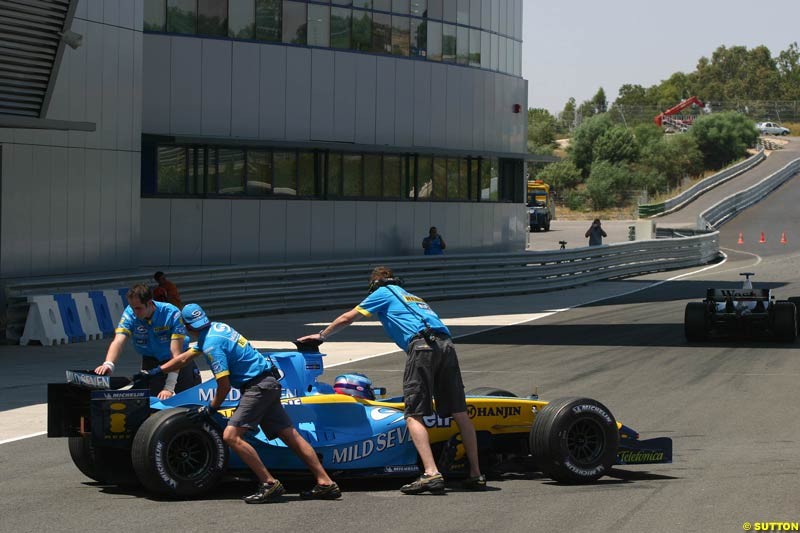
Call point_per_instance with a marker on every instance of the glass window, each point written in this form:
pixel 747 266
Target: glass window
pixel 372 175
pixel 495 52
pixel 475 48
pixel 155 15
pixel 294 22
pixel 495 15
pixel 319 25
pixel 231 171
pixel 382 5
pixel 463 179
pixel 485 178
pixel 195 164
pixel 401 35
pixel 425 177
pixel 448 43
pixel 419 37
pixel 453 192
pixel 334 181
pixel 268 20
pixel 351 166
pixel 284 173
pixel 434 41
pixel 436 9
pixel 439 179
pixel 362 31
pixel 474 184
pixel 212 17
pixel 392 176
pixel 462 50
pixel 419 8
pixel 211 171
pixel 241 19
pixel 381 33
pixel 259 172
pixel 306 176
pixel 400 6
pixel 462 14
pixel 366 4
pixel 450 11
pixel 486 50
pixel 341 21
pixel 475 13
pixel 181 16
pixel 171 178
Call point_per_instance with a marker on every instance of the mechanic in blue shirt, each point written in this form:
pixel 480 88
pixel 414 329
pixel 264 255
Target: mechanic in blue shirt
pixel 433 244
pixel 235 363
pixel 158 335
pixel 431 371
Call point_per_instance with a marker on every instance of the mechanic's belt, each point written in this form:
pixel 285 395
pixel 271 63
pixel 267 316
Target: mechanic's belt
pixel 439 336
pixel 270 372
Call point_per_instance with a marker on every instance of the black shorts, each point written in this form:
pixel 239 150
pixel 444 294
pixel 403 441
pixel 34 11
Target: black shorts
pixel 260 405
pixel 432 373
pixel 188 376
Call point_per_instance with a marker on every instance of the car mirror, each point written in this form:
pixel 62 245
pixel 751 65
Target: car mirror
pixel 379 391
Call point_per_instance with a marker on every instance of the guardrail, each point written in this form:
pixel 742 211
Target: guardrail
pixel 262 289
pixel 725 209
pixel 699 188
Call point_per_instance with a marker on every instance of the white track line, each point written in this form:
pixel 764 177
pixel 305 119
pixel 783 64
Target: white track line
pixel 23 437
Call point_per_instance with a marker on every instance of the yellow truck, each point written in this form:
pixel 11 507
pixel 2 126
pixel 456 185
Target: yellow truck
pixel 541 207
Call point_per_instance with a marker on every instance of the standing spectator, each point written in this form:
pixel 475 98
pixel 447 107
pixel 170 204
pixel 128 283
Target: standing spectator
pixel 431 372
pixel 236 363
pixel 433 244
pixel 595 233
pixel 158 335
pixel 167 290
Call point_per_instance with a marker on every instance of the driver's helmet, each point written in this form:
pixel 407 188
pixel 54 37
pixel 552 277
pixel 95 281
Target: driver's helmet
pixel 357 385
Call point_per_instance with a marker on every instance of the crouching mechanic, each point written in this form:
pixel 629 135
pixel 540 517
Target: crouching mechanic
pixel 236 363
pixel 431 371
pixel 158 335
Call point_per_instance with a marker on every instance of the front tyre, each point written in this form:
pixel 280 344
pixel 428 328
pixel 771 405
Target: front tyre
pixel 574 440
pixel 176 457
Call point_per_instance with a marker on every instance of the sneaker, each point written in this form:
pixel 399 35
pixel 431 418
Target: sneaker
pixel 475 483
pixel 267 492
pixel 432 483
pixel 322 492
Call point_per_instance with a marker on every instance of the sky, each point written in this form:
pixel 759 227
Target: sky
pixel 571 48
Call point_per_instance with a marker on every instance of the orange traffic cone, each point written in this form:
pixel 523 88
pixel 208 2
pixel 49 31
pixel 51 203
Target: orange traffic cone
pixel 741 238
pixel 783 238
pixel 763 239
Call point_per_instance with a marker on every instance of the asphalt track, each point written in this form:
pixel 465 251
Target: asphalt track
pixel 729 406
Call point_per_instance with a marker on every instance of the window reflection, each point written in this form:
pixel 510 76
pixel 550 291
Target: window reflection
pixel 372 176
pixel 419 38
pixel 231 171
pixel 171 170
pixel 401 36
pixel 351 165
pixel 434 41
pixel 392 176
pixel 362 31
pixel 259 172
pixel 439 179
pixel 462 46
pixel 155 15
pixel 341 20
pixel 448 43
pixel 425 177
pixel 335 174
pixel 241 19
pixel 269 20
pixel 294 22
pixel 381 33
pixel 285 173
pixel 212 17
pixel 319 25
pixel 181 16
pixel 306 175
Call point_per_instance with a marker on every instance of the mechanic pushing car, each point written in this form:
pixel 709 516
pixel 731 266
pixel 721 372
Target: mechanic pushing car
pixel 431 371
pixel 236 363
pixel 158 335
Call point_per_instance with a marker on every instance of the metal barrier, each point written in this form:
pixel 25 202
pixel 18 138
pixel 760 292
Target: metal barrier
pixel 725 209
pixel 260 289
pixel 699 188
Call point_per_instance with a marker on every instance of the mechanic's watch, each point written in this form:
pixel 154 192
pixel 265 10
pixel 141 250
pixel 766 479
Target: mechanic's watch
pixel 108 364
pixel 322 335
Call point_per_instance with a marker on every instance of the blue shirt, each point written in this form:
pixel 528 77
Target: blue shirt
pixel 434 246
pixel 151 338
pixel 402 320
pixel 229 354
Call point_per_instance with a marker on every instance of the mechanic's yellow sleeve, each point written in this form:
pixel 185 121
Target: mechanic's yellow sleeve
pixel 363 312
pixel 222 374
pixel 177 336
pixel 123 331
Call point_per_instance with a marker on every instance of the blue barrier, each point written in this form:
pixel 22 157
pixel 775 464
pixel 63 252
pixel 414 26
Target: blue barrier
pixel 102 313
pixel 70 317
pixel 123 293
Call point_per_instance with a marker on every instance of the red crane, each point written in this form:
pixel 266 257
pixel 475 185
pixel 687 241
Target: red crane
pixel 678 108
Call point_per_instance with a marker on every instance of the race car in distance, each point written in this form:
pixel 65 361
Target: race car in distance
pixel 771 128
pixel 746 311
pixel 120 436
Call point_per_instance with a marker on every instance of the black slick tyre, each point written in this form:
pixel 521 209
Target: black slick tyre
pixel 176 457
pixel 784 321
pixel 82 453
pixel 107 465
pixel 490 391
pixel 695 322
pixel 796 301
pixel 574 440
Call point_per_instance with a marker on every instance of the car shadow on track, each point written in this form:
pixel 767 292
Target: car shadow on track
pixel 683 290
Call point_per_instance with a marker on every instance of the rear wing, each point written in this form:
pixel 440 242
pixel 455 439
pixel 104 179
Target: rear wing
pixel 722 295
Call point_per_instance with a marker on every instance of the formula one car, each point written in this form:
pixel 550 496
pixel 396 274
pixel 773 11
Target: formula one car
pixel 746 311
pixel 119 436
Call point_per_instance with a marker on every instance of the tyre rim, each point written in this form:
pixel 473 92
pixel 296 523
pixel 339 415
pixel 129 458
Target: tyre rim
pixel 189 454
pixel 585 441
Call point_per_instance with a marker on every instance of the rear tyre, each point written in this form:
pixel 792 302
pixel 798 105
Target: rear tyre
pixel 784 321
pixel 103 464
pixel 574 440
pixel 695 322
pixel 490 391
pixel 796 301
pixel 175 457
pixel 82 453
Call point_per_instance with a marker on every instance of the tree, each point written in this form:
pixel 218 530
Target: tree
pixel 562 176
pixel 671 158
pixel 615 145
pixel 723 138
pixel 567 115
pixel 541 131
pixel 609 184
pixel 581 148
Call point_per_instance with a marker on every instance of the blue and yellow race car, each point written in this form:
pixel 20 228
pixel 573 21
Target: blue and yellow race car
pixel 119 435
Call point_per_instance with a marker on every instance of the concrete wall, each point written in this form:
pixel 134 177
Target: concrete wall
pixel 221 88
pixel 262 231
pixel 70 200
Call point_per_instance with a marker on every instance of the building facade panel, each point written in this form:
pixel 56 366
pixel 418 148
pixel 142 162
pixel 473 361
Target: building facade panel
pixel 366 86
pixel 216 231
pixel 57 215
pixel 40 225
pixel 245 87
pixel 323 228
pixel 186 243
pixel 16 208
pixel 76 63
pixel 344 89
pixel 216 88
pixel 125 100
pixel 323 103
pixel 298 94
pixel 272 232
pixel 108 209
pixel 107 128
pixel 186 86
pixel 92 197
pixel 404 103
pixel 156 212
pixel 453 107
pixel 157 84
pixel 272 93
pixel 422 104
pixel 297 232
pixel 438 116
pixel 385 100
pixel 344 238
pixel 245 221
pixel 127 205
pixel 76 206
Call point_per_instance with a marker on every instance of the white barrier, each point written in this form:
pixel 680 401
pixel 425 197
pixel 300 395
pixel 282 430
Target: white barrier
pixel 116 305
pixel 44 322
pixel 86 314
